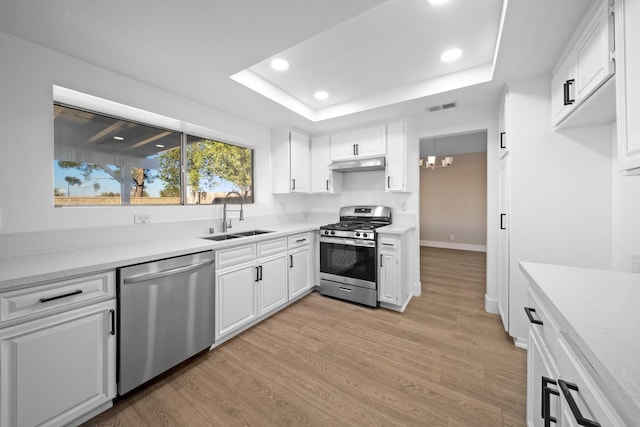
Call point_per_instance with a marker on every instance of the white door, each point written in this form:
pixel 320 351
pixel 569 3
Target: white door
pixel 235 298
pixel 299 272
pixel 272 283
pixel 58 368
pixel 396 157
pixel 320 159
pixel 371 142
pixel 539 367
pixel 299 162
pixel 504 203
pixel 593 66
pixel 389 278
pixel 563 84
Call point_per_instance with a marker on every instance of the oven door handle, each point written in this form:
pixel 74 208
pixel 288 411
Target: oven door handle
pixel 348 242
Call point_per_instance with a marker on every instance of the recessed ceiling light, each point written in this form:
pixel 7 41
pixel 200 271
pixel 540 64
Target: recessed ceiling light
pixel 118 138
pixel 159 145
pixel 437 2
pixel 321 95
pixel 279 64
pixel 450 55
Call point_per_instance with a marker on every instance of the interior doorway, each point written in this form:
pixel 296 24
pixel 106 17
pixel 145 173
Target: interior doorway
pixel 453 190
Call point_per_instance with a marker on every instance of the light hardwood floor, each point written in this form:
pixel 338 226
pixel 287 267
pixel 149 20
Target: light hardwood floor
pixel 323 362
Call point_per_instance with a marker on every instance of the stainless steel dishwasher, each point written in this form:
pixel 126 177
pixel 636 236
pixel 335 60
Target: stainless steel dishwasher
pixel 166 315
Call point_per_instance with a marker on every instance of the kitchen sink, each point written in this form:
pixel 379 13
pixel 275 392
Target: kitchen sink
pixel 222 237
pixel 251 233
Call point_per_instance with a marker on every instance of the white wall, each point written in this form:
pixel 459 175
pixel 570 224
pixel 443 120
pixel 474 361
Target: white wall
pixel 560 191
pixel 28 74
pixel 625 196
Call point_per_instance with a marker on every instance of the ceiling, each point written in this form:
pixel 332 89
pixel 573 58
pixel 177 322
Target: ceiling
pixel 376 58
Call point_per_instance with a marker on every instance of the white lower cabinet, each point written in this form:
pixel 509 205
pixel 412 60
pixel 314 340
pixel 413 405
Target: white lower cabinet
pixel 59 368
pixel 272 284
pixel 394 283
pixel 235 298
pixel 299 271
pixel 561 386
pixel 267 276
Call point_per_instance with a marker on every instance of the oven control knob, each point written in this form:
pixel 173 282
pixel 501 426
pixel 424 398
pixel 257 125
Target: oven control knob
pixel 333 232
pixel 364 235
pixel 358 234
pixel 326 232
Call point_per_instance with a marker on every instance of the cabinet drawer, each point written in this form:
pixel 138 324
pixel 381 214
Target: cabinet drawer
pixel 299 240
pixel 548 329
pixel 271 247
pixel 25 303
pixel 588 397
pixel 388 244
pixel 235 255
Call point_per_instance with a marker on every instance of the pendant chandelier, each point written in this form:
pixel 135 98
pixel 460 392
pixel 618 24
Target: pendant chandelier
pixel 431 161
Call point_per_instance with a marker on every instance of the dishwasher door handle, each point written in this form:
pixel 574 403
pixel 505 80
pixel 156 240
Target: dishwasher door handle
pixel 164 273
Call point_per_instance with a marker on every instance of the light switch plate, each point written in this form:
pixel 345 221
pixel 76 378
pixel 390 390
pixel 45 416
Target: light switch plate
pixel 141 219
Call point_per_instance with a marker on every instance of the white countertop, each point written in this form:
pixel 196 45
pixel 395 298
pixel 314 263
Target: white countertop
pixel 25 271
pixel 396 228
pixel 598 311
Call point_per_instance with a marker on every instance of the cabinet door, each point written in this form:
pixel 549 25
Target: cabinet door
pixel 540 367
pixel 58 368
pixel 503 125
pixel 343 146
pixel 504 212
pixel 563 84
pixel 320 173
pixel 273 284
pixel 299 162
pixel 235 298
pixel 593 65
pixel 371 142
pixel 389 280
pixel 396 157
pixel 299 272
pixel 627 86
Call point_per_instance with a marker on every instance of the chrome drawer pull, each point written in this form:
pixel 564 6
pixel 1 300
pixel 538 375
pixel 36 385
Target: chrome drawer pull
pixel 70 294
pixel 580 419
pixel 533 320
pixel 344 289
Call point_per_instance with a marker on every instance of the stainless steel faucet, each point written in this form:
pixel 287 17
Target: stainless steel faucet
pixel 226 226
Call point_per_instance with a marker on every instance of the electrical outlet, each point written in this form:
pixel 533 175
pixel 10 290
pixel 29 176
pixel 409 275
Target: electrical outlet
pixel 142 219
pixel 452 237
pixel 635 263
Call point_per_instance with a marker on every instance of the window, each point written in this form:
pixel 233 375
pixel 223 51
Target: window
pixel 103 160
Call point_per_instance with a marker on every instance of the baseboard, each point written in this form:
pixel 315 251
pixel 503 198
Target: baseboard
pixel 521 343
pixel 417 289
pixel 451 245
pixel 491 305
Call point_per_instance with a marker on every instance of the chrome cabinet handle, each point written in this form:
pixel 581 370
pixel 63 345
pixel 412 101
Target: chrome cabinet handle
pixel 290 261
pixel 546 401
pixel 327 185
pixel 533 320
pixel 257 274
pixel 389 181
pixel 502 145
pixel 70 294
pixel 293 186
pixel 580 419
pixel 502 216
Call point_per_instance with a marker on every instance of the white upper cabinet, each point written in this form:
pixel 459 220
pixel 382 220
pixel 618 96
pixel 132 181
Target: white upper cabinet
pixel 290 162
pixel 359 143
pixel 503 125
pixel 396 177
pixel 628 84
pixel 586 65
pixel 323 180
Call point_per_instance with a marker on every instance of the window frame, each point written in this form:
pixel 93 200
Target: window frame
pixel 178 128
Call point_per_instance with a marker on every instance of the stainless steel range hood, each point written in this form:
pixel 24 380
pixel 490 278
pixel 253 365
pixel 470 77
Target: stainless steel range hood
pixel 357 165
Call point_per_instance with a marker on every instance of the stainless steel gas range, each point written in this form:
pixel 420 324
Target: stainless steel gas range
pixel 349 254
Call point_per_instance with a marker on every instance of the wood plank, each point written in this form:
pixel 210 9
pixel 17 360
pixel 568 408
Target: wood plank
pixel 319 362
